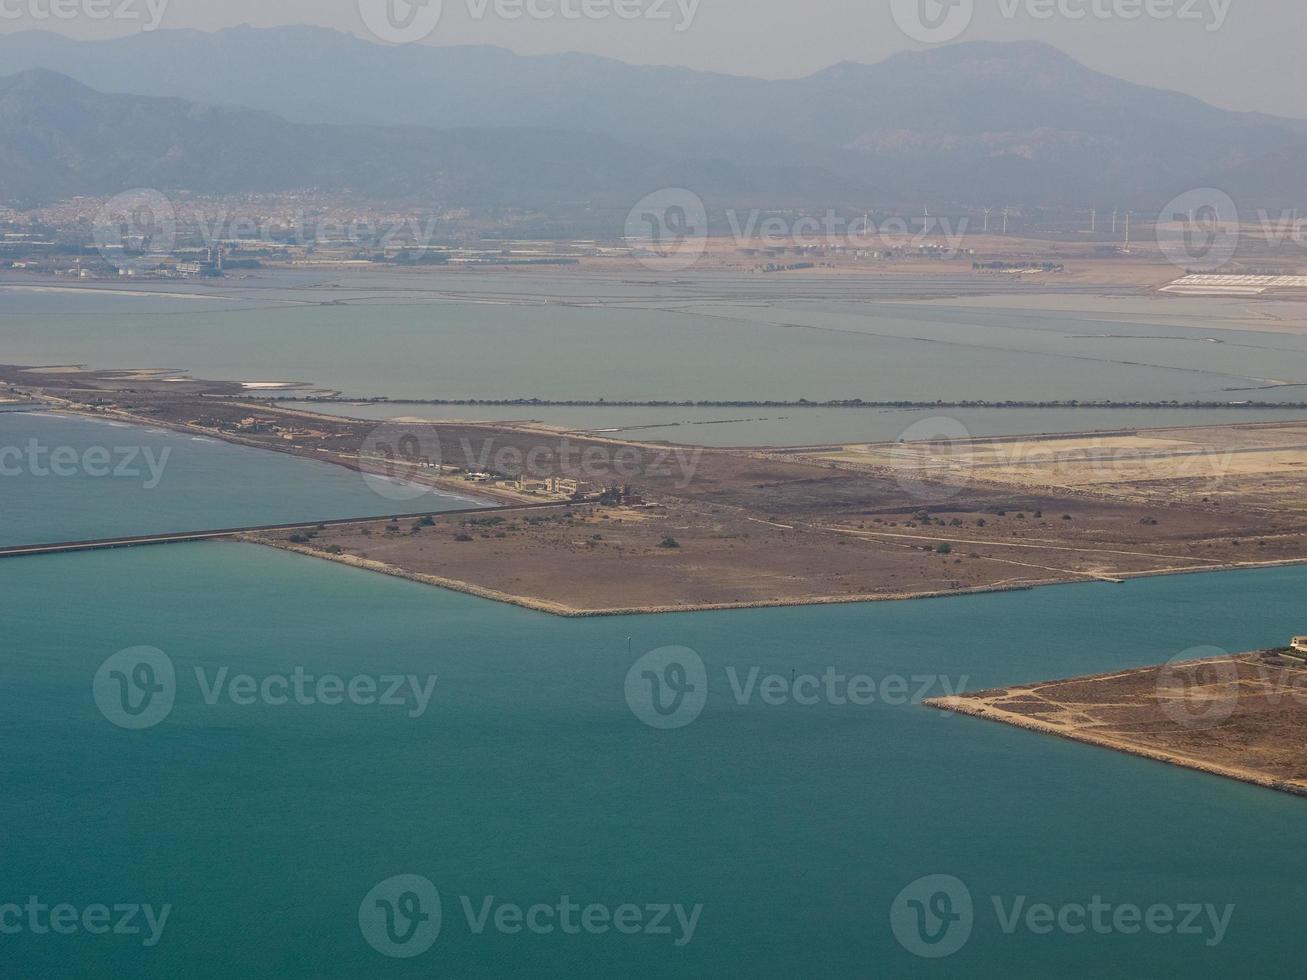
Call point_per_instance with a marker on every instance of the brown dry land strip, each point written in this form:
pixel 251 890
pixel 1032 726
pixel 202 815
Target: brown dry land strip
pixel 739 528
pixel 179 537
pixel 1242 717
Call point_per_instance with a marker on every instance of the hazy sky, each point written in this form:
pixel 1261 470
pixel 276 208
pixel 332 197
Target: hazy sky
pixel 1242 54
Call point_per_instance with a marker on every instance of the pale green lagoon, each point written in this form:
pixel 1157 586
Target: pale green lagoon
pixel 114 480
pixel 729 427
pixel 503 344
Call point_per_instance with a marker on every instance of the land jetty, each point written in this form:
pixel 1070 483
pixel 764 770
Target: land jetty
pixel 851 403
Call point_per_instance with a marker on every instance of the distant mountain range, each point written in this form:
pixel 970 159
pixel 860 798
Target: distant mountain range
pixel 980 123
pixel 60 139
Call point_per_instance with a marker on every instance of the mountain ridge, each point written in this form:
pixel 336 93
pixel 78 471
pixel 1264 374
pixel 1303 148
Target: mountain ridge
pixel 61 139
pixel 1017 123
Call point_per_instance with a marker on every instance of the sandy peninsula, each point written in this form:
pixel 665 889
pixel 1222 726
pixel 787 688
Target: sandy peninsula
pixel 1242 717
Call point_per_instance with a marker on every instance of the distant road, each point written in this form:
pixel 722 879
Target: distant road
pixel 141 540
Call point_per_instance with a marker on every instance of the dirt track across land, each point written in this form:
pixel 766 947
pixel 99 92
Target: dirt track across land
pixel 1243 717
pixel 722 528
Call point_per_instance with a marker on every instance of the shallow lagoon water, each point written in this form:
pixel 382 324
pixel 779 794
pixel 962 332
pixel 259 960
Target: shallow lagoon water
pixel 529 778
pixel 118 480
pixel 880 351
pixel 728 427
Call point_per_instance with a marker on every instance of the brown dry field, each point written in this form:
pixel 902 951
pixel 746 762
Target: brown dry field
pixel 1248 467
pixel 1243 717
pixel 773 528
pixel 754 528
pixel 610 560
pixel 586 559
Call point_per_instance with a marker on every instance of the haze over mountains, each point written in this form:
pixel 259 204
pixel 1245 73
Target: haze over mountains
pixel 971 124
pixel 59 139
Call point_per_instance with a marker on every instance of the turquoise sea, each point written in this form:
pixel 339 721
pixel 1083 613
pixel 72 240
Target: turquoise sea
pixel 529 778
pixel 516 773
